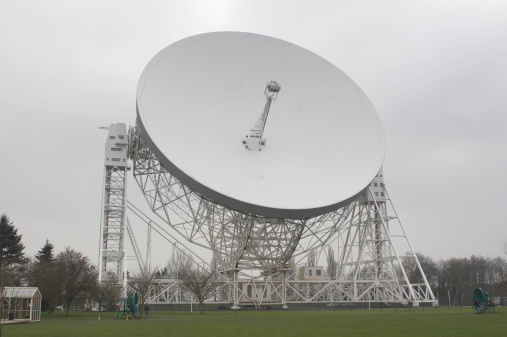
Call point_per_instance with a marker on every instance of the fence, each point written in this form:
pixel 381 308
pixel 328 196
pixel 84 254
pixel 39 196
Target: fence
pixel 189 307
pixel 444 303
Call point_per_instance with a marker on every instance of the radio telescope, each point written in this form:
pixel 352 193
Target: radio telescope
pixel 259 191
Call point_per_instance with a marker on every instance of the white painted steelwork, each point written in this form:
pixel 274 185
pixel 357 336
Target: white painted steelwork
pixel 197 97
pixel 370 268
pixel 112 257
pixel 371 246
pixel 240 240
pixel 307 189
pixel 254 139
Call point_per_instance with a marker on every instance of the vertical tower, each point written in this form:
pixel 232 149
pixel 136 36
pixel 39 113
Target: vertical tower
pixel 373 248
pixel 112 256
pixel 372 203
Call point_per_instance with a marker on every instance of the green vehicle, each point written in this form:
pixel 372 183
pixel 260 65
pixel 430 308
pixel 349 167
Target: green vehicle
pixel 128 307
pixel 483 302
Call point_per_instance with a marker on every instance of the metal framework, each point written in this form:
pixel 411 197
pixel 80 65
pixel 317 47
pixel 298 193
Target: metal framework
pixel 254 139
pixel 370 242
pixel 369 269
pixel 369 265
pixel 112 257
pixel 241 240
pixel 112 251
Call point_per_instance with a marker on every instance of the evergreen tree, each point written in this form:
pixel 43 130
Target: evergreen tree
pixel 46 252
pixel 11 257
pixel 42 272
pixel 11 248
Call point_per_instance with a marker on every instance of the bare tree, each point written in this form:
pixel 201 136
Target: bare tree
pixel 312 258
pixel 141 283
pixel 428 265
pixel 201 282
pixel 332 265
pixel 460 276
pixel 45 275
pixel 78 276
pixel 110 292
pixel 293 272
pixel 180 261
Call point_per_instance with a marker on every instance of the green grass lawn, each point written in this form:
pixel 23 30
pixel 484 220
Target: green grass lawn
pixel 444 322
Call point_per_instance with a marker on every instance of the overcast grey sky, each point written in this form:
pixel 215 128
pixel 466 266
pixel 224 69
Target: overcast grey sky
pixel 435 70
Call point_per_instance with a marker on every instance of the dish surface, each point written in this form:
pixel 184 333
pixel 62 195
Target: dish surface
pixel 200 96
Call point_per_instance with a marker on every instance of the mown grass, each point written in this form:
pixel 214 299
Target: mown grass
pixel 444 322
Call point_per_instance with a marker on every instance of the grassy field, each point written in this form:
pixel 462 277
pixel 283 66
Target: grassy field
pixel 444 322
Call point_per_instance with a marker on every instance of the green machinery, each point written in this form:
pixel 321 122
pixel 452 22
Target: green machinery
pixel 483 302
pixel 128 307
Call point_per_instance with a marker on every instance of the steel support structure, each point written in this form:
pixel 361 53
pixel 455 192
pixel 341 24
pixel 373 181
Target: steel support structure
pixel 254 139
pixel 370 266
pixel 112 259
pixel 240 240
pixel 112 250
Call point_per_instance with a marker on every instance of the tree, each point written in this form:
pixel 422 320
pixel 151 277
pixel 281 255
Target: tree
pixel 180 261
pixel 110 292
pixel 46 252
pixel 201 282
pixel 40 272
pixel 428 265
pixel 458 277
pixel 141 283
pixel 332 265
pixel 46 275
pixel 312 258
pixel 78 276
pixel 12 258
pixel 10 243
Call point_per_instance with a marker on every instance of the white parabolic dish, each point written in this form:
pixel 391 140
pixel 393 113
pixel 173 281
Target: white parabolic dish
pixel 200 96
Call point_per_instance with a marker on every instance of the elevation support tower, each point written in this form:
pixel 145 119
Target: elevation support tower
pixel 112 254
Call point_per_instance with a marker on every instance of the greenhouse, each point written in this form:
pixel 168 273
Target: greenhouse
pixel 20 304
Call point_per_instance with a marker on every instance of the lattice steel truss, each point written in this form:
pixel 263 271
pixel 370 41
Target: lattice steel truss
pixel 369 266
pixel 254 139
pixel 241 241
pixel 112 262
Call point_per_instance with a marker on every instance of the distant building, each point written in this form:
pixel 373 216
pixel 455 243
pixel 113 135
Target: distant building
pixel 311 273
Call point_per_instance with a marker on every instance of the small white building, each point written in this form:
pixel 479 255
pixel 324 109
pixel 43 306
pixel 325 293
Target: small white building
pixel 311 273
pixel 21 304
pixel 255 291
